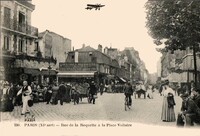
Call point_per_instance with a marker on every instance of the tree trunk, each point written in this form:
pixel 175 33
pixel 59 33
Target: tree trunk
pixel 195 65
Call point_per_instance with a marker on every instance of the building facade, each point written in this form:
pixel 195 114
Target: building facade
pixel 20 57
pixel 88 64
pixel 54 45
pixel 179 66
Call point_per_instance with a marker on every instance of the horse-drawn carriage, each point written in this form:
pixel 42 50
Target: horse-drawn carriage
pixel 80 91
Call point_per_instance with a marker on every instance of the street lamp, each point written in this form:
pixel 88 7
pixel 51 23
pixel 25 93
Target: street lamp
pixel 49 68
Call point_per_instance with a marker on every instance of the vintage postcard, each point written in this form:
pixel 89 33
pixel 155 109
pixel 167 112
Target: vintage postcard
pixel 99 67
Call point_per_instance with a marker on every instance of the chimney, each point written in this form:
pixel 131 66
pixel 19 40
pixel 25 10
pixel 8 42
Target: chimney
pixel 100 47
pixel 83 45
pixel 106 50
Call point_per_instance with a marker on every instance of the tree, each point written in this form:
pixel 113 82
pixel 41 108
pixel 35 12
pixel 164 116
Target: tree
pixel 177 23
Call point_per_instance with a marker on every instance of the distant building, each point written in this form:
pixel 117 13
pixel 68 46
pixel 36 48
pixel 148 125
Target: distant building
pixel 54 45
pixel 88 64
pixel 179 67
pixel 112 52
pixel 153 78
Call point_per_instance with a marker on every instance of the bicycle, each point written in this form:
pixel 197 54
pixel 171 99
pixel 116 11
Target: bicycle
pixel 127 105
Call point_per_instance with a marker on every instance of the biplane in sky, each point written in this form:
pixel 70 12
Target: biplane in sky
pixel 94 6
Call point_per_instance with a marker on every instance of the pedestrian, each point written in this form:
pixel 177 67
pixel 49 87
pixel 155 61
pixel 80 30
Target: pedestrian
pixel 92 92
pixel 150 92
pixel 61 92
pixel 161 89
pixel 184 107
pixel 192 114
pixel 168 114
pixel 75 94
pixel 54 97
pixel 7 99
pixel 26 96
pixel 101 88
pixel 109 88
pixel 128 91
pixel 68 92
pixel 48 94
pixel 18 99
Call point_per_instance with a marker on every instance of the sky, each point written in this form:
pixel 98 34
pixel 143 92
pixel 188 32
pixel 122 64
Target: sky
pixel 119 24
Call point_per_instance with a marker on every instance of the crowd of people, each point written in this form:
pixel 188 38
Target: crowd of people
pixel 190 108
pixel 25 95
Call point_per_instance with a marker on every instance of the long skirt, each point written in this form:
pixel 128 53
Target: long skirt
pixel 168 113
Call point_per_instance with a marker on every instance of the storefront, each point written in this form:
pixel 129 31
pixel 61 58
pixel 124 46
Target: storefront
pixel 76 76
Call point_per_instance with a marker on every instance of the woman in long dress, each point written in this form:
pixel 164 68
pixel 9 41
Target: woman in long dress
pixel 168 114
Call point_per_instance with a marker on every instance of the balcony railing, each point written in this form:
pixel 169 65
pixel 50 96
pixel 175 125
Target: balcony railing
pixel 77 66
pixel 23 28
pixel 24 56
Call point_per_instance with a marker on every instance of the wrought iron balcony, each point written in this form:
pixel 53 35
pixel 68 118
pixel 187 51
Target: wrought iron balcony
pixel 24 56
pixel 19 27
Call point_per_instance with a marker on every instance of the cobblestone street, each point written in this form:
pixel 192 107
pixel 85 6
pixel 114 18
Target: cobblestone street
pixel 108 107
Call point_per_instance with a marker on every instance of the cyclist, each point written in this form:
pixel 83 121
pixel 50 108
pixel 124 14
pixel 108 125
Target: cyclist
pixel 128 91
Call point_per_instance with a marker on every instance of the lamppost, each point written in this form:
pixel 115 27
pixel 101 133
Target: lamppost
pixel 49 67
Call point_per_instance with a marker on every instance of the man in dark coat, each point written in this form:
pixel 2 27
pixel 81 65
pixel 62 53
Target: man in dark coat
pixel 54 97
pixel 193 116
pixel 48 94
pixel 68 93
pixel 196 96
pixel 92 92
pixel 62 92
pixel 128 91
pixel 189 108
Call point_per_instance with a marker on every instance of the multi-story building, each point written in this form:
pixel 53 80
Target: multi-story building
pixel 137 70
pixel 87 64
pixel 20 57
pixel 179 67
pixel 54 45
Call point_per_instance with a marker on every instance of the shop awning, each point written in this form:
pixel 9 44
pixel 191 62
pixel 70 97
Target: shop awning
pixel 31 71
pixel 47 72
pixel 36 72
pixel 76 74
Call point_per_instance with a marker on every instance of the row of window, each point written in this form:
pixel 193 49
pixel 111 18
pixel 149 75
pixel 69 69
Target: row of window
pixel 7 16
pixel 21 44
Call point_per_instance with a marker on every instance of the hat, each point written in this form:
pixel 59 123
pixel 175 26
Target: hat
pixel 184 95
pixel 166 82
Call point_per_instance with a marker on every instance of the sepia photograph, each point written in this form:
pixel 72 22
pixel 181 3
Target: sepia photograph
pixel 125 67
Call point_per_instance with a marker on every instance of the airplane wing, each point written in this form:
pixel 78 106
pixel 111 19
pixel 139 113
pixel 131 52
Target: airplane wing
pixel 101 5
pixel 91 5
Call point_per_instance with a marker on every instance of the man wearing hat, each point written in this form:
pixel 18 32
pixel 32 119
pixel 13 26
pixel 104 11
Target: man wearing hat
pixel 193 112
pixel 26 96
pixel 181 116
pixel 92 92
pixel 62 92
pixel 188 110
